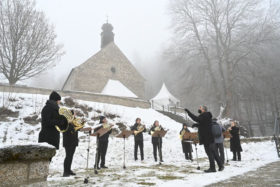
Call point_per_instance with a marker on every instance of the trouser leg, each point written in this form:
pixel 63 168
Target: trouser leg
pixel 160 151
pixel 103 153
pixel 234 155
pixel 216 155
pixel 221 152
pixel 141 145
pixel 68 158
pixel 155 146
pixel 210 156
pixel 136 144
pixel 239 155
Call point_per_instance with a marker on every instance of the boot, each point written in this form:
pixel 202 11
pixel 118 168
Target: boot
pixel 72 173
pixel 210 170
pixel 66 174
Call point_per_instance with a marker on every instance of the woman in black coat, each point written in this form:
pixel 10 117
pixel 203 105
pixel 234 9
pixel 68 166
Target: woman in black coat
pixel 50 119
pixel 235 145
pixel 156 141
pixel 70 142
pixel 186 146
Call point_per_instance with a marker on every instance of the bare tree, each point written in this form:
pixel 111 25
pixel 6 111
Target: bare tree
pixel 27 41
pixel 223 38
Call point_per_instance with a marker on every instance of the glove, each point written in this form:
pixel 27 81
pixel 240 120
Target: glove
pixel 187 110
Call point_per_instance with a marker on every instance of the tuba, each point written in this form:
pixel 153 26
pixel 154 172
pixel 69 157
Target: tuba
pixel 78 123
pixel 140 128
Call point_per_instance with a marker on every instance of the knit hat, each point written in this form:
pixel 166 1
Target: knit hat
pixel 55 96
pixel 101 118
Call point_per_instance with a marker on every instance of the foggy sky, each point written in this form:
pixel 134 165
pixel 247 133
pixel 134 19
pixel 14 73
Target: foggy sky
pixel 140 27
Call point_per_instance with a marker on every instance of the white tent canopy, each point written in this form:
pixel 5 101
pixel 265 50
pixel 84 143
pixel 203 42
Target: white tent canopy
pixel 164 98
pixel 116 88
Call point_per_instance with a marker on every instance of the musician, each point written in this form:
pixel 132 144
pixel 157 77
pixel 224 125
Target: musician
pixel 50 119
pixel 206 138
pixel 103 143
pixel 138 138
pixel 156 141
pixel 70 142
pixel 235 145
pixel 186 146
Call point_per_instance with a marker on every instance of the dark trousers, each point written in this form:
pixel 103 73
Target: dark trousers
pixel 187 149
pixel 238 155
pixel 69 150
pixel 212 153
pixel 140 145
pixel 157 146
pixel 102 150
pixel 221 152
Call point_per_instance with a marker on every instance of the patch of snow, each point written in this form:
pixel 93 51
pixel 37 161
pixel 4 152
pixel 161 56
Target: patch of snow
pixel 116 88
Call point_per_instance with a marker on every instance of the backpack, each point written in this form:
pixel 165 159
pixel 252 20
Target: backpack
pixel 216 130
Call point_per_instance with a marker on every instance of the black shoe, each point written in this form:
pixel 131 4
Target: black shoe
pixel 66 174
pixel 155 159
pixel 210 170
pixel 221 168
pixel 104 167
pixel 234 159
pixel 142 159
pixel 72 173
pixel 135 159
pixel 96 167
pixel 161 160
pixel 239 159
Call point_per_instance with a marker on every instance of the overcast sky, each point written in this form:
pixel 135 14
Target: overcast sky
pixel 141 29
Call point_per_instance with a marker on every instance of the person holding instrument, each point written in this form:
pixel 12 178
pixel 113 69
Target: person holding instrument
pixel 138 130
pixel 103 142
pixel 52 119
pixel 70 142
pixel 156 141
pixel 186 146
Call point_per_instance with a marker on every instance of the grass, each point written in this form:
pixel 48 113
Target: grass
pixel 169 177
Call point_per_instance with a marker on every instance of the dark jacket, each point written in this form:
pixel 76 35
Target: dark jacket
pixel 235 144
pixel 155 140
pixel 51 118
pixel 204 125
pixel 105 137
pixel 139 136
pixel 70 137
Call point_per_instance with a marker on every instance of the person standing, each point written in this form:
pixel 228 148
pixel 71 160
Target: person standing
pixel 70 142
pixel 204 124
pixel 103 142
pixel 186 146
pixel 235 145
pixel 50 119
pixel 138 130
pixel 219 140
pixel 156 141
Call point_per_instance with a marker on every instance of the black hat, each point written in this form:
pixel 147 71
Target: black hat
pixel 101 118
pixel 184 124
pixel 55 96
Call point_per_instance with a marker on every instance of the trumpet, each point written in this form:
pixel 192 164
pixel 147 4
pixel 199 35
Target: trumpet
pixel 140 128
pixel 78 123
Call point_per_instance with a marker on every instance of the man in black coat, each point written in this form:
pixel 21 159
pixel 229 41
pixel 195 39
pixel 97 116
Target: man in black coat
pixel 138 139
pixel 50 119
pixel 206 138
pixel 70 142
pixel 102 143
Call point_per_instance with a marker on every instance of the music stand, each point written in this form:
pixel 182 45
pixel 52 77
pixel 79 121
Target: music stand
pixel 124 134
pixel 87 131
pixel 226 135
pixel 159 134
pixel 193 136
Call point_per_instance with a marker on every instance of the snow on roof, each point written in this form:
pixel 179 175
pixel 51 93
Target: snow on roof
pixel 164 97
pixel 116 88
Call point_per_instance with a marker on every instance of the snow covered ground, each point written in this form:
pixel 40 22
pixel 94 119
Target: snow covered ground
pixel 174 171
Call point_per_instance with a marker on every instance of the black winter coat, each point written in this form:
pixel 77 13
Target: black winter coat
pixel 235 144
pixel 139 136
pixel 155 140
pixel 70 137
pixel 51 118
pixel 105 137
pixel 204 124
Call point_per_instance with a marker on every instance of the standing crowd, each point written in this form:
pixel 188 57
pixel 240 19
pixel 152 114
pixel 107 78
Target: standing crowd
pixel 210 135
